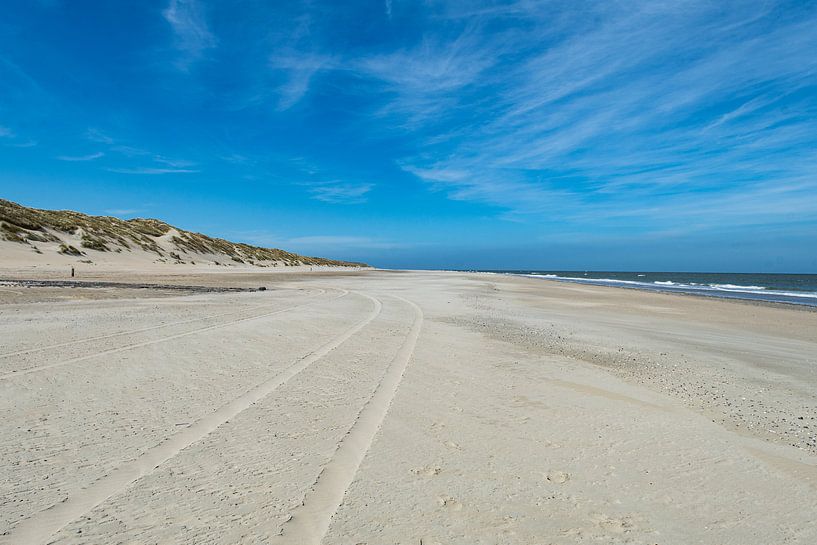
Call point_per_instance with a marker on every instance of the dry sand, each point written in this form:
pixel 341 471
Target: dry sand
pixel 414 408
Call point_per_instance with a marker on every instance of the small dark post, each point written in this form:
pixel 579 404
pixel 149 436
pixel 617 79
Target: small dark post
pixel 72 272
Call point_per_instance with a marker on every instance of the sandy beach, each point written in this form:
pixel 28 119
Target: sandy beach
pixel 379 407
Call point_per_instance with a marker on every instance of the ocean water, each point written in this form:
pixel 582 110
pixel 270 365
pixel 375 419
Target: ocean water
pixel 798 289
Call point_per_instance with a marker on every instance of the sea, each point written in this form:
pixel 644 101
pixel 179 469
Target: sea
pixel 798 289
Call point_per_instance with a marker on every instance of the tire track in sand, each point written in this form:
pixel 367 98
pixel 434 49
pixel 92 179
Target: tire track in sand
pixel 30 370
pixel 310 520
pixel 38 528
pixel 133 331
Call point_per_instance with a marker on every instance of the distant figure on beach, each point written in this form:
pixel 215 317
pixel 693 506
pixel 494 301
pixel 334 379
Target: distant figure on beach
pixel 72 272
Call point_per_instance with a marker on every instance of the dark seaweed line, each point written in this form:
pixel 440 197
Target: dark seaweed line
pixel 95 284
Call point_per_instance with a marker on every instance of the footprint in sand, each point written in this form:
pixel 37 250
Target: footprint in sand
pixel 427 471
pixel 453 445
pixel 605 528
pixel 614 525
pixel 449 503
pixel 558 477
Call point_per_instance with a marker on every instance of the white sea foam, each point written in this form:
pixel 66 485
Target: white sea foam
pixel 736 287
pixel 692 287
pixel 805 294
pixel 764 291
pixel 589 280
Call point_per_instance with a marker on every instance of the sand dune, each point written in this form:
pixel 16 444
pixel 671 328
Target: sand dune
pixel 31 238
pixel 403 408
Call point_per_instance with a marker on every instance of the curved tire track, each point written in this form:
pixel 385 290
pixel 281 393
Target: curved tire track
pixel 131 332
pixel 23 372
pixel 310 521
pixel 38 528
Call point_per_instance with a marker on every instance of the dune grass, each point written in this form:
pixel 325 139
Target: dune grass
pixel 105 234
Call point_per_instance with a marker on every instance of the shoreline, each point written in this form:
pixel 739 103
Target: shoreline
pixel 806 301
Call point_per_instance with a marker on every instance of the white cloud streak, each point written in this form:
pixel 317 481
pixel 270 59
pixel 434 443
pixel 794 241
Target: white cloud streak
pixel 340 193
pixel 299 70
pixel 192 35
pixel 118 150
pixel 151 170
pixel 89 157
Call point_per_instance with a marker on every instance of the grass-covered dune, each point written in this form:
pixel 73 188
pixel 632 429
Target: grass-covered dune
pixel 75 234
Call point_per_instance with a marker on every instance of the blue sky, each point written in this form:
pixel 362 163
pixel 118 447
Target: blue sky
pixel 677 135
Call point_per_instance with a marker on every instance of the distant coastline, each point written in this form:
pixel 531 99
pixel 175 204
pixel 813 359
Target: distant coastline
pixel 797 289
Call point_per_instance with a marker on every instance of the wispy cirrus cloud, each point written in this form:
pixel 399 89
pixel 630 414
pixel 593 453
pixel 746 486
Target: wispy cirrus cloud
pixel 95 135
pixel 124 152
pixel 417 81
pixel 88 157
pixel 12 140
pixel 601 112
pixel 152 170
pixel 340 192
pixel 629 109
pixel 432 77
pixel 299 69
pixel 22 143
pixel 192 35
pixel 174 163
